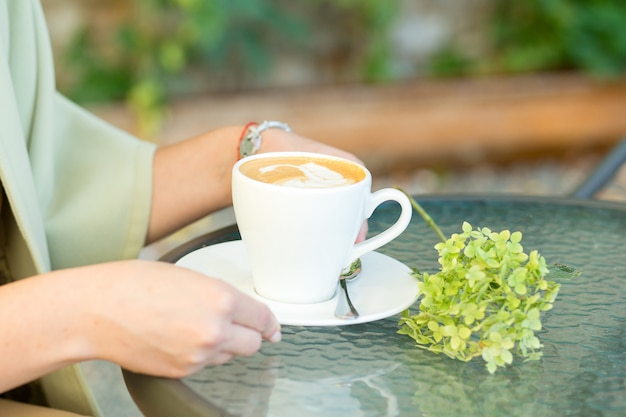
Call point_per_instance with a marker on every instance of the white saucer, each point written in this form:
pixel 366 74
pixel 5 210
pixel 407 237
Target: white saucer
pixel 384 288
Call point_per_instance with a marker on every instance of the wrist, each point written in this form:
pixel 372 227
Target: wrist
pixel 251 138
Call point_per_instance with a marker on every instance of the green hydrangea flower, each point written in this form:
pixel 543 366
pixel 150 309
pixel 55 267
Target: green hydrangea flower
pixel 485 301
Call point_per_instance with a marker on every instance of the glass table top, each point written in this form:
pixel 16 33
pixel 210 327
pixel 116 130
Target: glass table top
pixel 370 370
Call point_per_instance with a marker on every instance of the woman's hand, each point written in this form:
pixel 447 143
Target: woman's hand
pixel 161 319
pixel 149 317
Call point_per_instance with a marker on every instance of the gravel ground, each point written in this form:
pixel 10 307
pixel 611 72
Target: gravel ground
pixel 537 177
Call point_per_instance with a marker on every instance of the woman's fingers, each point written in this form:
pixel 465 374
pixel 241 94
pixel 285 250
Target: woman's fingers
pixel 363 232
pixel 254 315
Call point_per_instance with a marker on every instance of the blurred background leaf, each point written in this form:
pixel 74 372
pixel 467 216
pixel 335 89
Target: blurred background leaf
pixel 161 49
pixel 546 35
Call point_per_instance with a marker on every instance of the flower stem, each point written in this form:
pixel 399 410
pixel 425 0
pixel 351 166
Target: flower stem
pixel 429 221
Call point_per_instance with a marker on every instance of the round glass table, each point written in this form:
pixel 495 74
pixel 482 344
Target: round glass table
pixel 370 370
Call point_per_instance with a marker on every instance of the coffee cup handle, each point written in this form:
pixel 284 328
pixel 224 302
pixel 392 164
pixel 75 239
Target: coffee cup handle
pixel 386 236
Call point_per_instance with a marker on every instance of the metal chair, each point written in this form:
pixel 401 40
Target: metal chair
pixel 603 172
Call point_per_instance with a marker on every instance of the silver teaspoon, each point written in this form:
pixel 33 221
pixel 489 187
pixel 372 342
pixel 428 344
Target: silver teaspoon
pixel 345 310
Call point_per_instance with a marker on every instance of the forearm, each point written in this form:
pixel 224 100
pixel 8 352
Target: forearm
pixel 39 330
pixel 192 179
pixel 62 317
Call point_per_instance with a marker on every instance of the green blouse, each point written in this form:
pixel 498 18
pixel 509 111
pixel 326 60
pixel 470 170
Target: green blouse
pixel 78 190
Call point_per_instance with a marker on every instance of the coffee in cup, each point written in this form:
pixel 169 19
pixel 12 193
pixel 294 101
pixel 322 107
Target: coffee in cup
pixel 303 171
pixel 299 215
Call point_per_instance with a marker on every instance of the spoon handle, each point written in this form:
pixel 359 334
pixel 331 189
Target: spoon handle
pixel 345 310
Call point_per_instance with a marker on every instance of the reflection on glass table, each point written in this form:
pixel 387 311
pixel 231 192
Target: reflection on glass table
pixel 368 369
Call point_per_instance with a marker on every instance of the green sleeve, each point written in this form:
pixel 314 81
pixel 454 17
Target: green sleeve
pixel 79 188
pixel 100 206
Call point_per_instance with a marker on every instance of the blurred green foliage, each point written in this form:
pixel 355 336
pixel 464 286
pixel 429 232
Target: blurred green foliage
pixel 544 35
pixel 169 47
pixel 164 48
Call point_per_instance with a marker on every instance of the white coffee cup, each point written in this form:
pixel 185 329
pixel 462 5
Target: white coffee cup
pixel 300 218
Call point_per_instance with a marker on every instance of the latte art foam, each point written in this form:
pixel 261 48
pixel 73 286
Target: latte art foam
pixel 303 172
pixel 309 175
